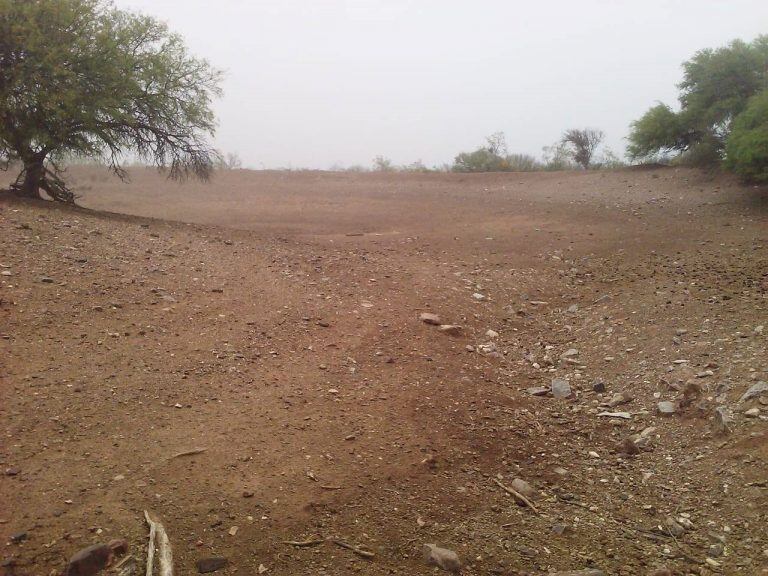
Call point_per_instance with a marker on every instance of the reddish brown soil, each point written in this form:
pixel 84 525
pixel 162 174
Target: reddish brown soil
pixel 272 319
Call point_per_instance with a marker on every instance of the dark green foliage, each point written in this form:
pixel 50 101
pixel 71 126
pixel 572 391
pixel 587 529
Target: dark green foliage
pixel 716 86
pixel 78 77
pixel 747 148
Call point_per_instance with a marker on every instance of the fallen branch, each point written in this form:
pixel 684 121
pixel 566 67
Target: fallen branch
pixel 517 495
pixel 157 531
pixel 324 487
pixel 188 453
pixel 355 549
pixel 304 543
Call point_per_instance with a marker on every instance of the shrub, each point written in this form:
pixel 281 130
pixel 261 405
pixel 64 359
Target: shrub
pixel 747 146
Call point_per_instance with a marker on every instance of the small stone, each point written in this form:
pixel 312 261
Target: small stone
pixel 598 386
pixel 673 528
pixel 450 329
pixel 560 529
pixel 247 494
pixel 89 561
pixel 752 413
pixel 723 420
pixel 663 571
pixel 233 530
pixel 431 319
pixel 716 550
pixel 620 398
pixel 573 308
pixel 570 353
pixel 629 447
pixel 206 565
pixel 262 569
pixel 622 415
pixel 492 334
pixel 46 280
pixel 525 489
pixel 538 391
pixel 6 273
pixel 755 391
pixel 479 297
pixel 561 388
pixel 118 546
pixel 666 408
pixel 443 558
pixel 12 471
pixel 585 572
pixel 19 537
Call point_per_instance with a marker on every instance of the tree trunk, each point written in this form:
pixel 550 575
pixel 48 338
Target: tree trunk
pixel 33 176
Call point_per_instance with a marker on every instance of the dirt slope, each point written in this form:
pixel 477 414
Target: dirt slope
pixel 278 330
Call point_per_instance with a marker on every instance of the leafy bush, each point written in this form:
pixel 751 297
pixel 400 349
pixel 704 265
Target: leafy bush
pixel 716 87
pixel 747 146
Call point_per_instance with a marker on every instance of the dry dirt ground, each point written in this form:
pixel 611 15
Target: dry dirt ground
pixel 272 320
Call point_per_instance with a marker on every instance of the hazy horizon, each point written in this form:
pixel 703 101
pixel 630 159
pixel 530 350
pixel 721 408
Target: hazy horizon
pixel 323 83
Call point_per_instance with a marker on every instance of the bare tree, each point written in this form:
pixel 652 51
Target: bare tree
pixel 582 144
pixel 497 144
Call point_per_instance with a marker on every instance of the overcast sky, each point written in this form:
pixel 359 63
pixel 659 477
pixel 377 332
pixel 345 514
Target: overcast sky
pixel 312 83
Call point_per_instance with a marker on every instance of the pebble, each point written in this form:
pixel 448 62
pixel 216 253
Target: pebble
pixel 479 297
pixel 89 561
pixel 723 420
pixel 585 572
pixel 443 558
pixel 561 388
pixel 623 415
pixel 666 407
pixel 525 489
pixel 598 386
pixel 673 528
pixel 716 550
pixel 620 398
pixel 755 391
pixel 206 565
pixel 492 334
pixel 538 391
pixel 752 413
pixel 431 319
pixel 570 353
pixel 450 329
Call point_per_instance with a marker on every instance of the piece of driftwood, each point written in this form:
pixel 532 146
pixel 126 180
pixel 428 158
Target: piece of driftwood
pixel 355 549
pixel 517 495
pixel 164 552
pixel 191 452
pixel 304 543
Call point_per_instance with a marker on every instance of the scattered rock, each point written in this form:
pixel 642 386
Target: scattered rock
pixel 431 319
pixel 629 447
pixel 561 388
pixel 443 558
pixel 755 391
pixel 663 571
pixel 622 415
pixel 752 413
pixel 19 537
pixel 492 334
pixel 12 471
pixel 585 572
pixel 450 329
pixel 673 528
pixel 723 420
pixel 525 489
pixel 118 546
pixel 598 386
pixel 207 565
pixel 488 348
pixel 538 391
pixel 479 297
pixel 666 408
pixel 570 353
pixel 620 398
pixel 716 550
pixel 89 561
pixel 46 280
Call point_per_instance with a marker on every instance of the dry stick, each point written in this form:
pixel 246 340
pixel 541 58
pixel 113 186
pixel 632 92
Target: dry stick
pixel 303 544
pixel 157 529
pixel 324 487
pixel 517 495
pixel 151 547
pixel 355 549
pixel 188 453
pixel 123 561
